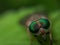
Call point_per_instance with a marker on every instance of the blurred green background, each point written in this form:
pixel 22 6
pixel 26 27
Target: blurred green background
pixel 11 11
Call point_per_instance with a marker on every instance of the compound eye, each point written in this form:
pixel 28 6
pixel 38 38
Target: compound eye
pixel 45 22
pixel 34 27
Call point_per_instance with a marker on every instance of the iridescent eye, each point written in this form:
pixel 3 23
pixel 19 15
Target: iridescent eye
pixel 45 23
pixel 34 27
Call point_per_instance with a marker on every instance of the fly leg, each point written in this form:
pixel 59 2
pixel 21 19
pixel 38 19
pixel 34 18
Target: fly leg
pixel 51 41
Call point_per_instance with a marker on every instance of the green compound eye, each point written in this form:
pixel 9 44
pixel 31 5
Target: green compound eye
pixel 45 23
pixel 34 27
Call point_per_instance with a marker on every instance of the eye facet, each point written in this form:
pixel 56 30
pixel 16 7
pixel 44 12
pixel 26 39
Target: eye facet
pixel 34 27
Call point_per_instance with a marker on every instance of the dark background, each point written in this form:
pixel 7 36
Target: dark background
pixel 15 4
